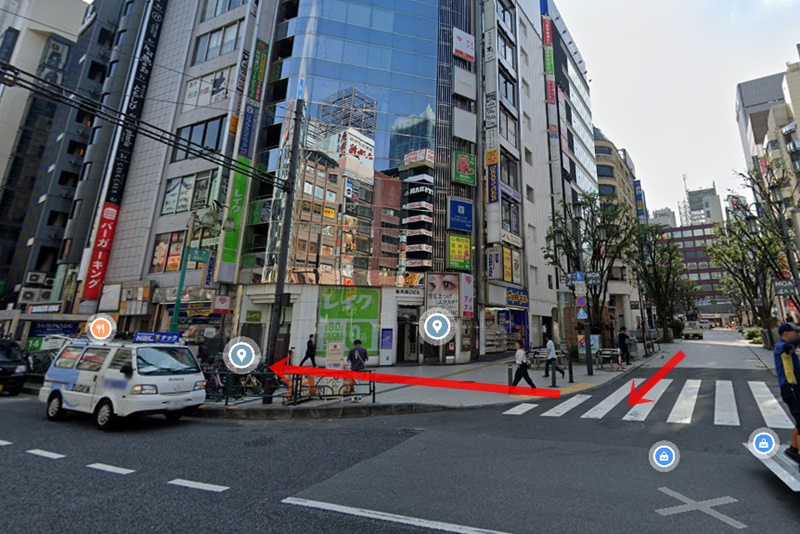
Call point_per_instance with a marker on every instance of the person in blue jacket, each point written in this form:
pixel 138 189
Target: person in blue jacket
pixel 787 366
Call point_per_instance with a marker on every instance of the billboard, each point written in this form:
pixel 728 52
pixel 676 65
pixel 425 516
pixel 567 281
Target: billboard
pixel 463 44
pixel 443 291
pixel 508 274
pixel 494 263
pixel 459 252
pixel 467 295
pixel 492 176
pixel 464 168
pixel 459 214
pixel 347 314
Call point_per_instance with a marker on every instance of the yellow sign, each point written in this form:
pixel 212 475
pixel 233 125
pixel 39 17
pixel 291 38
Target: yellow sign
pixel 508 272
pixel 459 252
pixel 493 156
pixel 330 213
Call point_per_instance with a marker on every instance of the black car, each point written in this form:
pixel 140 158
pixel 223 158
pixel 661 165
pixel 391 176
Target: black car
pixel 12 368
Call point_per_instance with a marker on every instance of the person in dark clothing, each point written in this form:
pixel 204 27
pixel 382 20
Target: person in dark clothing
pixel 522 367
pixel 358 362
pixel 311 351
pixel 622 343
pixel 787 367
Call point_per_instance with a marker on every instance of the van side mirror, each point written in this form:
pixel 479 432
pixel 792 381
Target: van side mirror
pixel 126 370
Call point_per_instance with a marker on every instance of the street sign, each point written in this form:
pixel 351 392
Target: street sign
pixel 784 288
pixel 580 289
pixel 582 315
pixel 198 255
pixel 579 277
pixel 594 278
pixel 580 302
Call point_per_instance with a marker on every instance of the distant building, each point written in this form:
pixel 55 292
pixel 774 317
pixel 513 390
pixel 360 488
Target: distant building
pixel 736 206
pixel 754 99
pixel 664 217
pixel 350 108
pixel 410 135
pixel 702 206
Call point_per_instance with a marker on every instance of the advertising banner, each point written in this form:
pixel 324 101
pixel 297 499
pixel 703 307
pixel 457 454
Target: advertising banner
pixel 464 167
pixel 459 214
pixel 494 263
pixel 463 44
pixel 490 110
pixel 347 314
pixel 516 267
pixel 418 156
pixel 467 295
pixel 516 298
pixel 492 176
pixel 459 252
pixel 238 191
pixel 443 291
pixel 508 274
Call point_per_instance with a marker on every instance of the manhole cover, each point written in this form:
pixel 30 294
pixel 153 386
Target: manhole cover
pixel 628 426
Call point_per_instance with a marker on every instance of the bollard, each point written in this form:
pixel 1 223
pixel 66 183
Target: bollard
pixel 553 374
pixel 569 364
pixel 510 374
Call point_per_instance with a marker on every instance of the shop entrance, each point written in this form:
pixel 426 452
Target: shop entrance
pixel 407 336
pixel 504 327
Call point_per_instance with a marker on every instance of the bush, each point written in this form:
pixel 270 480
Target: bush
pixel 573 354
pixel 677 327
pixel 757 341
pixel 751 333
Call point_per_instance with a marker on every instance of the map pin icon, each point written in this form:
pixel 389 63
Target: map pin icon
pixel 437 325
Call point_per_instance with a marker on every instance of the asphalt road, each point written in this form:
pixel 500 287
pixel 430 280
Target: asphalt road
pixel 469 469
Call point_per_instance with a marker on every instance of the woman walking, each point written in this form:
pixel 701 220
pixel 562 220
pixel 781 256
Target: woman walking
pixel 522 367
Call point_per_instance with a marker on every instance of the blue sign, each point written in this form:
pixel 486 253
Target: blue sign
pixel 492 184
pixel 764 443
pixel 459 214
pixel 386 339
pixel 582 315
pixel 579 276
pixel 248 125
pixel 517 298
pixel 53 329
pixel 156 337
pixel 209 279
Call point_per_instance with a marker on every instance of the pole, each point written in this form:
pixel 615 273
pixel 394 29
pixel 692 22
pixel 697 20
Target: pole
pixel 641 316
pixel 173 325
pixel 480 296
pixel 587 331
pixel 286 234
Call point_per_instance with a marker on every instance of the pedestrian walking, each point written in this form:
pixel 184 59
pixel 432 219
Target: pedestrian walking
pixel 788 371
pixel 522 367
pixel 311 351
pixel 551 358
pixel 622 343
pixel 358 362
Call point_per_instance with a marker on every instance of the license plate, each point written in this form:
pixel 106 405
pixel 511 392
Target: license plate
pixel 174 405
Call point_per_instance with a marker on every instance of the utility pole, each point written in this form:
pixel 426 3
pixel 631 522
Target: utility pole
pixel 587 330
pixel 286 234
pixel 187 241
pixel 480 256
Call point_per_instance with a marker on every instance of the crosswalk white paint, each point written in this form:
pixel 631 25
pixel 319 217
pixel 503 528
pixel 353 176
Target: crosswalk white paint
pixel 608 404
pixel 684 406
pixel 4 443
pixel 198 485
pixel 641 411
pixel 725 412
pixel 111 469
pixel 520 409
pixel 771 411
pixel 45 454
pixel 566 406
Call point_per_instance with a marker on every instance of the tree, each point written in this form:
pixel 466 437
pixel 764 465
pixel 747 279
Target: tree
pixel 599 231
pixel 659 265
pixel 686 293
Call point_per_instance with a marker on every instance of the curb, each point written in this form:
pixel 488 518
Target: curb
pixel 280 413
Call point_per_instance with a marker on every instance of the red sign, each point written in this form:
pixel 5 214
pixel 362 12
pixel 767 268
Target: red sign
pixel 102 248
pixel 551 92
pixel 580 302
pixel 547 32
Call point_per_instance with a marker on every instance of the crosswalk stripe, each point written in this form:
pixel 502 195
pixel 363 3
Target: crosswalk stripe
pixel 520 409
pixel 725 412
pixel 641 411
pixel 4 443
pixel 608 404
pixel 771 411
pixel 566 406
pixel 684 406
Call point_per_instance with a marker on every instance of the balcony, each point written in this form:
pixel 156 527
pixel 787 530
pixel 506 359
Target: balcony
pixel 796 165
pixel 793 146
pixel 789 128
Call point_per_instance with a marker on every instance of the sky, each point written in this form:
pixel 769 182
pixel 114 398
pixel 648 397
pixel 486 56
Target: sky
pixel 664 78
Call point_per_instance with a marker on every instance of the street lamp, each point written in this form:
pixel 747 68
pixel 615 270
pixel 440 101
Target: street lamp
pixel 752 224
pixel 587 332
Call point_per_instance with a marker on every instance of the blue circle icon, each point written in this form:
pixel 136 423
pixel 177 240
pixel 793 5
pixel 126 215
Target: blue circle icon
pixel 437 326
pixel 763 443
pixel 242 355
pixel 664 456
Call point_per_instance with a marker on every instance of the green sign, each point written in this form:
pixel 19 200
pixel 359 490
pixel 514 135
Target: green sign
pixel 253 316
pixel 198 255
pixel 549 63
pixel 33 344
pixel 347 314
pixel 464 168
pixel 239 190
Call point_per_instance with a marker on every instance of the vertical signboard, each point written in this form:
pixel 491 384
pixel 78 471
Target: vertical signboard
pixel 467 295
pixel 492 176
pixel 464 167
pixel 552 99
pixel 494 263
pixel 508 272
pixel 459 252
pixel 463 44
pixel 125 141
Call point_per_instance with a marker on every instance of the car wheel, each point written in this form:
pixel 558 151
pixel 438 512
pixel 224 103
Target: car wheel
pixel 104 415
pixel 55 408
pixel 14 392
pixel 173 417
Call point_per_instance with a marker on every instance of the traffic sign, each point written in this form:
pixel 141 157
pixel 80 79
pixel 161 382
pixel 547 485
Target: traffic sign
pixel 594 278
pixel 580 289
pixel 784 288
pixel 582 315
pixel 580 302
pixel 198 255
pixel 579 276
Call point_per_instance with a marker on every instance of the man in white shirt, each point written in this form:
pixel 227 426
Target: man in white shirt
pixel 551 359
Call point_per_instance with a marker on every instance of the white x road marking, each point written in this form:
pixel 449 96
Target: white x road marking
pixel 703 506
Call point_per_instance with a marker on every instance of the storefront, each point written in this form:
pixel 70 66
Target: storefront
pixel 505 325
pixel 201 315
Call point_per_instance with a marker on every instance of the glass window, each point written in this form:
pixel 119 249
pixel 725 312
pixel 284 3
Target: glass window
pixel 165 360
pixel 508 127
pixel 214 44
pixel 698 232
pixel 121 358
pixel 207 134
pixel 68 357
pixel 93 359
pixel 602 150
pixel 605 170
pixel 702 265
pixel 229 39
pixel 705 276
pixel 127 9
pixel 505 49
pixel 120 38
pixel 167 253
pixel 509 171
pixel 607 190
pixel 506 88
pixel 201 49
pixel 511 217
pixel 693 276
pixel 505 14
pixel 691 266
pixel 211 135
pixel 217 42
pixel 180 154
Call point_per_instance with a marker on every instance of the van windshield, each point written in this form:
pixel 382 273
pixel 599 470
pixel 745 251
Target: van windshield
pixel 165 361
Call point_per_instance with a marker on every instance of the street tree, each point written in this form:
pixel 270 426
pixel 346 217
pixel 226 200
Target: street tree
pixel 659 265
pixel 594 234
pixel 686 293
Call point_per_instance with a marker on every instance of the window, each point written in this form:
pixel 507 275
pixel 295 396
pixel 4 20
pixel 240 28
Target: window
pixel 187 193
pixel 698 232
pixel 506 88
pixel 602 150
pixel 526 121
pixel 705 276
pixel 213 8
pixel 702 265
pixel 605 170
pixel 549 281
pixel 691 266
pixel 220 41
pixel 504 14
pixel 528 157
pixel 508 127
pixel 505 49
pixel 127 9
pixel 511 217
pixel 526 87
pixel 525 59
pixel 93 359
pixel 529 193
pixel 332 178
pixel 693 276
pixel 121 358
pixel 508 171
pixel 606 190
pixel 534 275
pixel 523 28
pixel 68 357
pixel 207 134
pixel 95 134
pixel 167 253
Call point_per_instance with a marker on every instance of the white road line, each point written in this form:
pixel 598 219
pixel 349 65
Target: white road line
pixel 111 469
pixel 684 406
pixel 393 518
pixel 641 411
pixel 785 469
pixel 725 412
pixel 608 404
pixel 566 406
pixel 197 485
pixel 4 443
pixel 520 409
pixel 45 454
pixel 771 411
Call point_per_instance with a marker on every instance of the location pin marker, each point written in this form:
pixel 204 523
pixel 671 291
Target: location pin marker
pixel 437 325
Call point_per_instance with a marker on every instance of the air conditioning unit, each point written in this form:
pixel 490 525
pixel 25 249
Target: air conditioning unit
pixel 81 130
pixel 44 296
pixel 29 294
pixel 49 282
pixel 34 278
pixel 56 54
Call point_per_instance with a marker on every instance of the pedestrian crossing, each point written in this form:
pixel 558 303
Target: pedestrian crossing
pixel 694 398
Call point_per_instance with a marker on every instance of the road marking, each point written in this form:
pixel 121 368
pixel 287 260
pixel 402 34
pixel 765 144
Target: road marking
pixel 725 412
pixel 393 518
pixel 641 411
pixel 197 485
pixel 608 404
pixel 771 411
pixel 45 454
pixel 566 406
pixel 4 443
pixel 111 469
pixel 520 409
pixel 778 465
pixel 684 406
pixel 702 506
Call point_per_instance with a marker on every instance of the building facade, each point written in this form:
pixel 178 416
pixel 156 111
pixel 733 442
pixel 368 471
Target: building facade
pixel 702 206
pixel 664 217
pixel 754 99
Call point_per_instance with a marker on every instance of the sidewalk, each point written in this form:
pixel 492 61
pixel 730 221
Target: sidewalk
pixel 400 399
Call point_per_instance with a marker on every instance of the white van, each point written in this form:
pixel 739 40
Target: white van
pixel 120 379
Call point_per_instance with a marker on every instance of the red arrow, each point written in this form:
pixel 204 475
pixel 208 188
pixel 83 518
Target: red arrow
pixel 636 395
pixel 282 369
